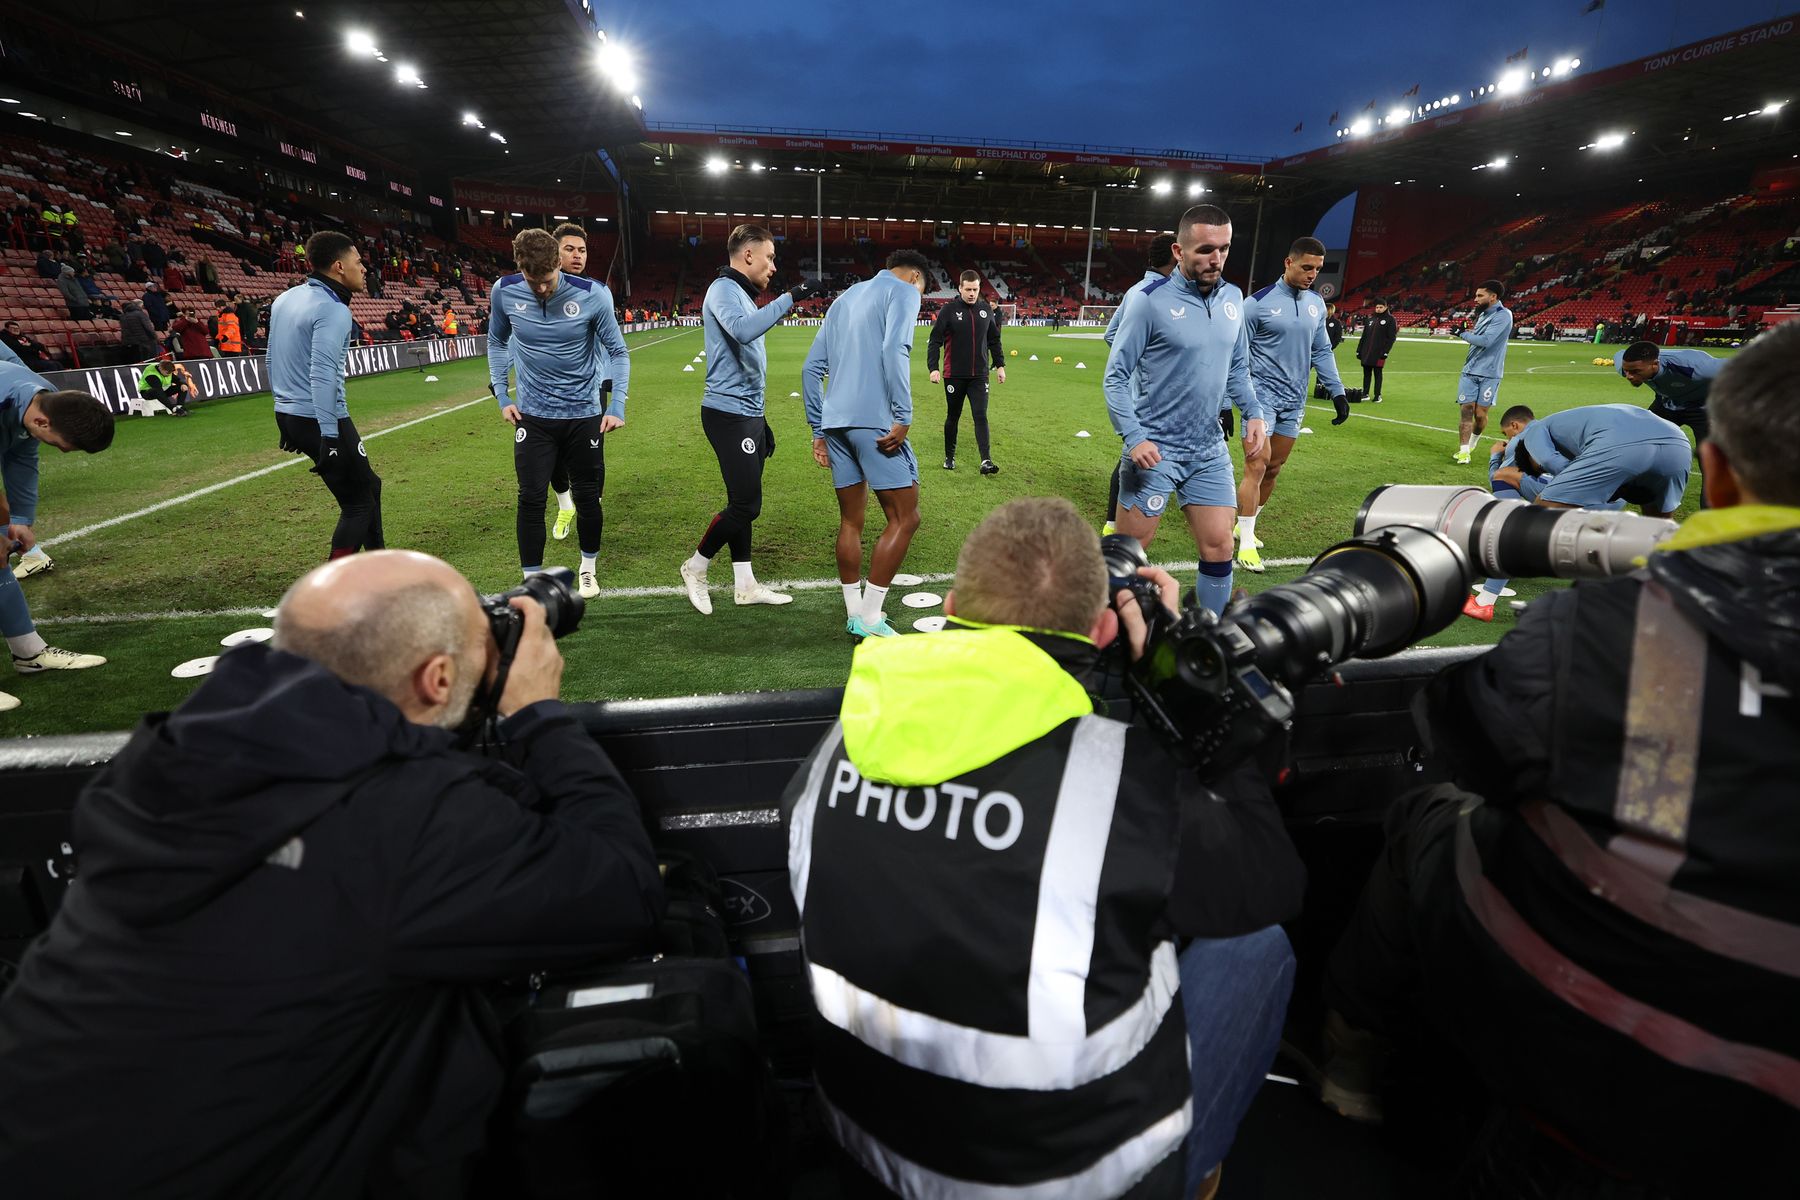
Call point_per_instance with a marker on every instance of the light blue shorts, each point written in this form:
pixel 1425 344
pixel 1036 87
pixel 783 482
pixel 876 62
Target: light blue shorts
pixel 1477 389
pixel 1207 483
pixel 1652 474
pixel 1286 421
pixel 856 459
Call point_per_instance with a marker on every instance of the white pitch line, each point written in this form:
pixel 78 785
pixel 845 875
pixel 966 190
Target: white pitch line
pixel 1361 416
pixel 623 593
pixel 297 460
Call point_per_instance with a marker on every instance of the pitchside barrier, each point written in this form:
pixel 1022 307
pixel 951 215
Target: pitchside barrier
pixel 247 374
pixel 710 771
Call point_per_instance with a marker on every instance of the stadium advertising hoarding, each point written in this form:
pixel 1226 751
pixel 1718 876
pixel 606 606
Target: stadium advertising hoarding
pixel 244 375
pixel 726 140
pixel 511 197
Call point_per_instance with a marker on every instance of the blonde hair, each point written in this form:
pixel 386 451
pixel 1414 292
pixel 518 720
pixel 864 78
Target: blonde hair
pixel 1032 562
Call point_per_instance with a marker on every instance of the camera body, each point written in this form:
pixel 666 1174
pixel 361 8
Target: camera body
pixel 554 590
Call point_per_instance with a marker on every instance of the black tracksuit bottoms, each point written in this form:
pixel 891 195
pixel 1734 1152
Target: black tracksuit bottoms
pixel 741 443
pixel 355 485
pixel 541 447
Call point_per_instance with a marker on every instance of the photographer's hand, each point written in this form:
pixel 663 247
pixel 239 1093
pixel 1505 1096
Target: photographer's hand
pixel 537 665
pixel 1132 619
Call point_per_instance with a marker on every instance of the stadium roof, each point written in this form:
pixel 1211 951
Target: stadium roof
pixel 514 63
pixel 920 177
pixel 1722 102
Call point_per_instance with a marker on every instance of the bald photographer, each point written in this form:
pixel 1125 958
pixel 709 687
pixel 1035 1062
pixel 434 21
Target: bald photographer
pixel 266 980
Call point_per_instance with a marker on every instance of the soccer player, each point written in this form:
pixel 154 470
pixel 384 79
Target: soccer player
pixel 860 424
pixel 1479 385
pixel 1187 340
pixel 1597 454
pixel 731 407
pixel 1379 334
pixel 972 331
pixel 559 335
pixel 1288 342
pixel 309 340
pixel 1680 380
pixel 33 411
pixel 1162 261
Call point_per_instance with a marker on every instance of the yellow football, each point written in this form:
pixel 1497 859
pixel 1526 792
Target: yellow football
pixel 1057 359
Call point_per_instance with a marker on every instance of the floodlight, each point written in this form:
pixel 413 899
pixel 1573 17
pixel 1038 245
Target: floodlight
pixel 1194 189
pixel 1395 116
pixel 1560 67
pixel 755 166
pixel 637 104
pixel 1359 126
pixel 715 165
pixel 1511 82
pixel 1608 141
pixel 1773 107
pixel 497 136
pixel 360 43
pixel 1574 64
pixel 470 118
pixel 1162 187
pixel 406 73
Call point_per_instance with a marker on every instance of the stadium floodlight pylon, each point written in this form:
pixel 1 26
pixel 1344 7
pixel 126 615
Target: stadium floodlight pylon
pixel 1095 314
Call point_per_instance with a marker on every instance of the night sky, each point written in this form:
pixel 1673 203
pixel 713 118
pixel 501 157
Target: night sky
pixel 1155 75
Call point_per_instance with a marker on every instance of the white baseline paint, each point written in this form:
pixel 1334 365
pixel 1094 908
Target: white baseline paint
pixel 624 593
pixel 294 461
pixel 1360 416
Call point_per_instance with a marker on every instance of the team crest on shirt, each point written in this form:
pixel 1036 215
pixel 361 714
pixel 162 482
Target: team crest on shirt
pixel 571 308
pixel 1231 312
pixel 1155 503
pixel 1312 310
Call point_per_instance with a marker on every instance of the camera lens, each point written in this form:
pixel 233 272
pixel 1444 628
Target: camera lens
pixel 555 590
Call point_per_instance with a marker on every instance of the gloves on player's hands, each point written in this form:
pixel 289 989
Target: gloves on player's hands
pixel 806 289
pixel 332 463
pixel 1342 404
pixel 1228 423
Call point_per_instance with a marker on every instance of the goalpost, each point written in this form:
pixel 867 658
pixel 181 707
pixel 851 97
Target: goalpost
pixel 1095 314
pixel 1008 312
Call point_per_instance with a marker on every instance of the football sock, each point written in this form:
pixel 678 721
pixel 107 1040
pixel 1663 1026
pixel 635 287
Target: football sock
pixel 565 501
pixel 873 597
pixel 1490 591
pixel 697 563
pixel 589 561
pixel 1213 587
pixel 852 598
pixel 528 572
pixel 745 580
pixel 1247 527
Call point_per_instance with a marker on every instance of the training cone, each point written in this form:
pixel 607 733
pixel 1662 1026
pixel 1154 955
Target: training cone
pixel 1081 366
pixel 1033 358
pixel 431 379
pixel 689 368
pixel 793 395
pixel 1083 433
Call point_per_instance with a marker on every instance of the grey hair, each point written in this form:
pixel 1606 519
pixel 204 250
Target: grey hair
pixel 1754 419
pixel 385 639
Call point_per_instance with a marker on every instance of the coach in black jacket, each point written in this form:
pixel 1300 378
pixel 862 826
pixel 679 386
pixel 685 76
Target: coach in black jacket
pixel 1379 334
pixel 265 980
pixel 970 329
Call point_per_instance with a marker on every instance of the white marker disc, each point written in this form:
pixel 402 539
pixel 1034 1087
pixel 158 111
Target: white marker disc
pixel 246 635
pixel 907 581
pixel 929 624
pixel 921 599
pixel 195 666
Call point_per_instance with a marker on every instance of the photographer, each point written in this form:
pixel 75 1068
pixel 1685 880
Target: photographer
pixel 990 903
pixel 1610 931
pixel 265 981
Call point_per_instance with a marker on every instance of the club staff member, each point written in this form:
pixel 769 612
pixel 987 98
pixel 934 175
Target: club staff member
pixel 559 334
pixel 167 383
pixel 990 907
pixel 309 344
pixel 731 408
pixel 1379 334
pixel 969 328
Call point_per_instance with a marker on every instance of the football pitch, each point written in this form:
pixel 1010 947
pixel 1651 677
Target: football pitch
pixel 184 531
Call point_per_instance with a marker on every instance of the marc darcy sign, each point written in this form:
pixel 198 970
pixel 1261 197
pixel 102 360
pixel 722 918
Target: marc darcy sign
pixel 219 378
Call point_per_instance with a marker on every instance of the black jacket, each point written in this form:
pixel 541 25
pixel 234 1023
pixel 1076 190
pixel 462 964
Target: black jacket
pixel 1536 727
pixel 264 981
pixel 1334 329
pixel 1378 337
pixel 972 332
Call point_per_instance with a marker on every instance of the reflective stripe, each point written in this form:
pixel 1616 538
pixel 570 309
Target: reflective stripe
pixel 1062 939
pixel 997 1060
pixel 800 825
pixel 1659 760
pixel 1112 1175
pixel 1659 1032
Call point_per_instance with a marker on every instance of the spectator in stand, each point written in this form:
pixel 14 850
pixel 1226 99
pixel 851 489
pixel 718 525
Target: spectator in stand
pixel 79 307
pixel 172 279
pixel 114 254
pixel 191 335
pixel 136 333
pixel 48 265
pixel 155 257
pixel 208 276
pixel 247 311
pixel 231 332
pixel 29 349
pixel 101 301
pixel 157 305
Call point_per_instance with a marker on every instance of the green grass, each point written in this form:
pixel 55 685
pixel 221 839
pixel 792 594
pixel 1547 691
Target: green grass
pixel 448 489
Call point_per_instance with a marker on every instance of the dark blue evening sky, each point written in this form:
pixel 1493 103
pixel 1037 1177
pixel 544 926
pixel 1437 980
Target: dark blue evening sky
pixel 1208 77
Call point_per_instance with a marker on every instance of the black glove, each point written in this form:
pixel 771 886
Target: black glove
pixel 1227 423
pixel 1343 409
pixel 806 289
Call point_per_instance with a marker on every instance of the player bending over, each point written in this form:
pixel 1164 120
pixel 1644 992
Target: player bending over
pixel 1595 455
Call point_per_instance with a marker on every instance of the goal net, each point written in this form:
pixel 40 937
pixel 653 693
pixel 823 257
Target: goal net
pixel 1009 313
pixel 1095 314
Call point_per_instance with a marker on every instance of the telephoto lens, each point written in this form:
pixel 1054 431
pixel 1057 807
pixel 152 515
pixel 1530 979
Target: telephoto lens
pixel 1514 538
